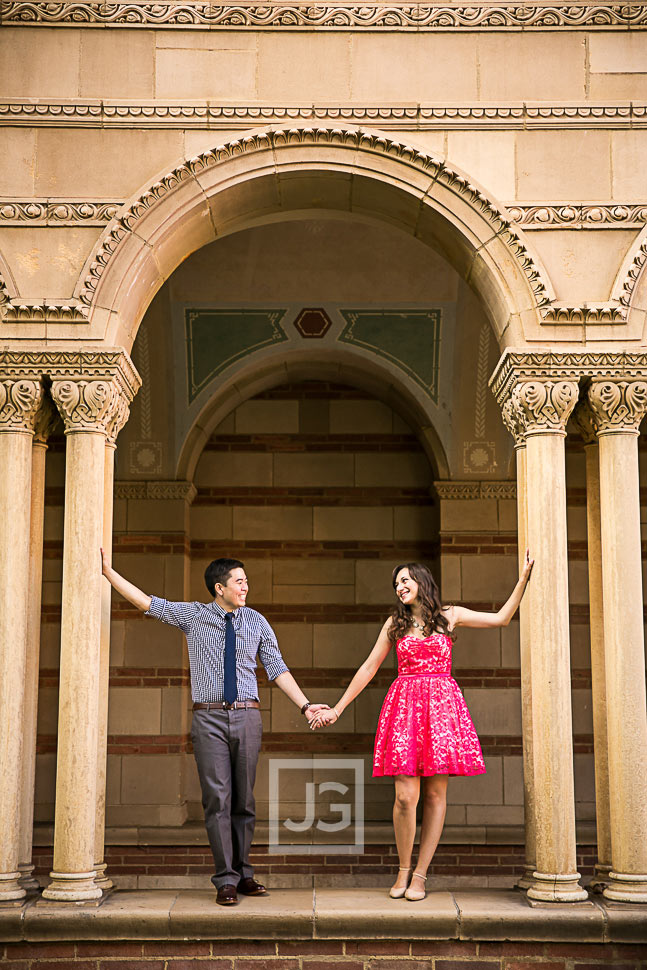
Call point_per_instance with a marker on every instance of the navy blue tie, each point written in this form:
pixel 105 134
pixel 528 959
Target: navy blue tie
pixel 230 688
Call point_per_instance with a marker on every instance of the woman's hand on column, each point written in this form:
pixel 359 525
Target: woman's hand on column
pixel 105 563
pixel 527 567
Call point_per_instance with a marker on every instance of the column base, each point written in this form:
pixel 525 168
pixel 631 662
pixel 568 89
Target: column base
pixel 527 880
pixel 10 887
pixel 27 879
pixel 101 879
pixel 72 887
pixel 558 888
pixel 600 879
pixel 626 888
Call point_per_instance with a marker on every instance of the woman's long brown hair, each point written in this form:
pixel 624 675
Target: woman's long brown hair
pixel 429 596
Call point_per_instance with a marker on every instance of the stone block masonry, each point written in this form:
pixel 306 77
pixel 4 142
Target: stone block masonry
pixel 320 955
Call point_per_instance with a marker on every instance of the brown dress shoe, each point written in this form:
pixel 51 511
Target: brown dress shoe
pixel 227 896
pixel 249 887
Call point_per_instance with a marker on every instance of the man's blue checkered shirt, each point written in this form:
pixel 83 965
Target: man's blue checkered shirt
pixel 204 627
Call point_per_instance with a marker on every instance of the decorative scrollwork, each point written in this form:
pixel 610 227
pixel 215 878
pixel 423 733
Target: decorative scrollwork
pixel 19 403
pixel 44 212
pixel 542 406
pixel 157 490
pixel 600 215
pixel 331 16
pixel 471 490
pixel 87 405
pixel 617 405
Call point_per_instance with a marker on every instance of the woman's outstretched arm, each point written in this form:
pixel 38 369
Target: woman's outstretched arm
pixel 461 616
pixel 364 676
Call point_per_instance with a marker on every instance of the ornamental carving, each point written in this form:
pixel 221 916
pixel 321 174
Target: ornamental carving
pixel 42 212
pixel 449 491
pixel 599 215
pixel 420 117
pixel 47 418
pixel 332 16
pixel 86 405
pixel 19 403
pixel 524 366
pixel 272 139
pixel 617 405
pixel 162 491
pixel 542 406
pixel 512 423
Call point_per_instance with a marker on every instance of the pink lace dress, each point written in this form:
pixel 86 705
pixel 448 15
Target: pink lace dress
pixel 424 726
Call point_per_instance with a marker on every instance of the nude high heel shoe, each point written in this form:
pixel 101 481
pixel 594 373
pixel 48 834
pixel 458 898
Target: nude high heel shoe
pixel 399 893
pixel 413 895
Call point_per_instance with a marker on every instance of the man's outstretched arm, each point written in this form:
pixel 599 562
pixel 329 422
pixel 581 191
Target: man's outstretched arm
pixel 129 592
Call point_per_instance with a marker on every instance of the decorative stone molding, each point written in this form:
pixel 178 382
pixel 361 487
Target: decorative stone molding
pixel 19 403
pixel 448 491
pixel 92 391
pixel 635 264
pixel 617 405
pixel 332 16
pixel 63 212
pixel 274 139
pixel 586 314
pixel 163 491
pixel 518 366
pixel 543 406
pixel 204 114
pixel 512 423
pixel 593 215
pixel 63 311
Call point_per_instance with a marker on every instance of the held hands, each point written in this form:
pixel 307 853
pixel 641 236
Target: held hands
pixel 314 710
pixel 323 718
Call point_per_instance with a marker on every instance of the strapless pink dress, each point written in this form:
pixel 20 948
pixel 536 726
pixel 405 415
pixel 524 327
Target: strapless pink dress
pixel 424 726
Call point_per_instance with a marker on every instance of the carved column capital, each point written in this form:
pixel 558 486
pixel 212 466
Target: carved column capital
pixel 513 424
pixel 585 423
pixel 90 405
pixel 19 402
pixel 543 406
pixel 46 420
pixel 617 405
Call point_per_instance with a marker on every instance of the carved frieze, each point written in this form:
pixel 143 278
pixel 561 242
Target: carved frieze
pixel 466 490
pixel 330 16
pixel 159 490
pixel 19 402
pixel 160 114
pixel 594 215
pixel 44 212
pixel 617 405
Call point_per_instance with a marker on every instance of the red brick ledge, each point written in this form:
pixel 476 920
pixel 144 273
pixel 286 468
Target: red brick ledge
pixel 325 915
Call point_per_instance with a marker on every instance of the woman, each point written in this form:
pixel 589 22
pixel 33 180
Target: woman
pixel 424 729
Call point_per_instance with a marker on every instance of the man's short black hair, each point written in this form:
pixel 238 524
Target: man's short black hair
pixel 218 572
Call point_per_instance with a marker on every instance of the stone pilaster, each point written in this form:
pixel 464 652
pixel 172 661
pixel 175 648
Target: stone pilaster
pixel 583 419
pixel 617 405
pixel 516 430
pixel 20 398
pixel 542 391
pixel 46 420
pixel 91 400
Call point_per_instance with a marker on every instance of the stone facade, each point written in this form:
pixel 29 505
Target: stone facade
pixel 276 256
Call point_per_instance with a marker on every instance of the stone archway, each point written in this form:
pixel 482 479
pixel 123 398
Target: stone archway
pixel 271 174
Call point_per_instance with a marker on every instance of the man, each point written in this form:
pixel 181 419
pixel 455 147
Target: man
pixel 224 638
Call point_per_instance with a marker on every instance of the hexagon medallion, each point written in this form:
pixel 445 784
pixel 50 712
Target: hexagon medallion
pixel 313 322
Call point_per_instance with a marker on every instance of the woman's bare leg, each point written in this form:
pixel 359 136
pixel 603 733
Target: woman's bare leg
pixel 433 819
pixel 407 793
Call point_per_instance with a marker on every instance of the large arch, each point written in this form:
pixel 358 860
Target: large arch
pixel 280 171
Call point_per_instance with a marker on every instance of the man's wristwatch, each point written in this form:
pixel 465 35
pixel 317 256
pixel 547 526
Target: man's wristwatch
pixel 305 707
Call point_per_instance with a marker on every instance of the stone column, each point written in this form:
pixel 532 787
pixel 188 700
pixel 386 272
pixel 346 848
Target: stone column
pixel 618 406
pixel 88 408
pixel 45 421
pixel 513 426
pixel 19 402
pixel 542 408
pixel 583 419
pixel 101 879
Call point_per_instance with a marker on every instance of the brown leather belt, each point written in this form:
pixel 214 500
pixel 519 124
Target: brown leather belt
pixel 224 706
